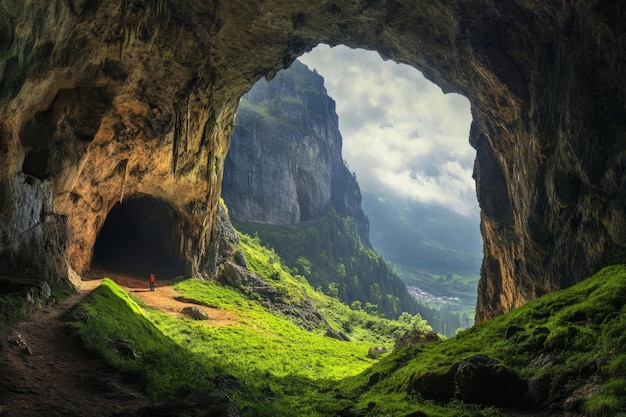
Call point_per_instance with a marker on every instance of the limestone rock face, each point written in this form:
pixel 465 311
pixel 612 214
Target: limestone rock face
pixel 285 164
pixel 108 99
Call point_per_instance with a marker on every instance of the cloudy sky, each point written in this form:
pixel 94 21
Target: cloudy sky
pixel 401 134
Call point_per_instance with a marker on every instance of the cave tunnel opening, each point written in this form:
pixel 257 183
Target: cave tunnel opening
pixel 140 236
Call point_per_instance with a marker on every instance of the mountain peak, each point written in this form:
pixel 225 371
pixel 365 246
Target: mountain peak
pixel 285 164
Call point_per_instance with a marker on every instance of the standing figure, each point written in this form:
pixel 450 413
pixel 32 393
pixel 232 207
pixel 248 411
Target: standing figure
pixel 152 279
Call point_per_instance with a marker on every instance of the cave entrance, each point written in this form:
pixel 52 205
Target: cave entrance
pixel 141 235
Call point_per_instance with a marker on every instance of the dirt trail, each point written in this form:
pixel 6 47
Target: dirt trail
pixel 164 298
pixel 46 371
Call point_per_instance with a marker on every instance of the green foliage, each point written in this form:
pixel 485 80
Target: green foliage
pixel 328 251
pixel 359 325
pixel 437 250
pixel 329 254
pixel 269 110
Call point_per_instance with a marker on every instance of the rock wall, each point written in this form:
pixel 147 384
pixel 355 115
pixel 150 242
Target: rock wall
pixel 285 163
pixel 109 98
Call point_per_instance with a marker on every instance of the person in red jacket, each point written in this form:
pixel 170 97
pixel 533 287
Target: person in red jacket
pixel 152 279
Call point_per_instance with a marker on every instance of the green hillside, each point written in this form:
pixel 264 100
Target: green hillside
pixel 329 254
pixel 568 346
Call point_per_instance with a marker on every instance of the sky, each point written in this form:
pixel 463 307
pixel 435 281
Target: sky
pixel 402 135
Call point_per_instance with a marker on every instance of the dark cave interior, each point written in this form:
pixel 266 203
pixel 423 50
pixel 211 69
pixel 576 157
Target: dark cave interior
pixel 141 235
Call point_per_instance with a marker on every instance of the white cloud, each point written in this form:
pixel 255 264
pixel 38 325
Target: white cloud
pixel 401 134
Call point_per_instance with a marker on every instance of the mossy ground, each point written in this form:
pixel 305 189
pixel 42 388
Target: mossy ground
pixel 290 371
pixel 581 331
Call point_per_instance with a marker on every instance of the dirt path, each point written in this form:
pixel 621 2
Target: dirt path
pixel 164 298
pixel 46 371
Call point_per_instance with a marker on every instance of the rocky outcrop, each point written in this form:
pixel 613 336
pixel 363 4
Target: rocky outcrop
pixel 478 379
pixel 195 313
pixel 107 99
pixel 223 245
pixel 285 164
pixel 377 351
pixel 303 311
pixel 483 380
pixel 416 337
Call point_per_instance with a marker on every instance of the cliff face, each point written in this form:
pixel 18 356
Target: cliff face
pixel 284 165
pixel 108 99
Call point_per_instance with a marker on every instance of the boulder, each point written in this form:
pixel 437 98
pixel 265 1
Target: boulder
pixel 512 331
pixel 437 385
pixel 483 380
pixel 416 337
pixel 123 347
pixel 195 313
pixel 239 277
pixel 334 334
pixel 240 259
pixel 377 351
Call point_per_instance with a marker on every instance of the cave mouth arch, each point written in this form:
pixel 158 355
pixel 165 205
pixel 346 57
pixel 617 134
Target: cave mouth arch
pixel 141 235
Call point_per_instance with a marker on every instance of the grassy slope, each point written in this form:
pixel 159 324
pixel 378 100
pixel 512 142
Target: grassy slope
pixel 268 351
pixel 586 322
pixel 289 371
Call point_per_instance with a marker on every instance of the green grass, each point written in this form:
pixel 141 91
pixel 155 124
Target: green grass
pixel 262 340
pixel 179 356
pixel 60 294
pixel 586 322
pixel 358 324
pixel 166 369
pixel 290 371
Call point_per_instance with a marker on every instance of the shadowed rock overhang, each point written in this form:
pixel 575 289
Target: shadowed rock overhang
pixel 110 98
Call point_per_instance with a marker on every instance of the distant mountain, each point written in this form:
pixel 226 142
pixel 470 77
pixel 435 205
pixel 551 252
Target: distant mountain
pixel 435 251
pixel 432 238
pixel 284 165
